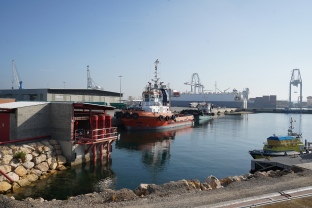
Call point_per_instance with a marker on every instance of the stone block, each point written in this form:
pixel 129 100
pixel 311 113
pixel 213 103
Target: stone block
pixel 20 171
pixel 24 182
pixel 6 168
pixel 44 167
pixel 61 160
pixel 28 165
pixel 32 177
pixel 4 187
pixel 13 176
pixel 7 159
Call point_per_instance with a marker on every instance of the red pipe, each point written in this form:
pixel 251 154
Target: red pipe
pixel 26 139
pixel 5 175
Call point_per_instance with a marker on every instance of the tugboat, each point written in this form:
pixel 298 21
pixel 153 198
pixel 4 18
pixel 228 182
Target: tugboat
pixel 154 111
pixel 291 144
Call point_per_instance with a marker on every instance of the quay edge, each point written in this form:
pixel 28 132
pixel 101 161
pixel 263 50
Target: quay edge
pixel 277 110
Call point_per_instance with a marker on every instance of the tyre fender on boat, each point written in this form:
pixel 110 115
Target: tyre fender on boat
pixel 118 114
pixel 127 115
pixel 135 115
pixel 173 117
pixel 167 118
pixel 161 117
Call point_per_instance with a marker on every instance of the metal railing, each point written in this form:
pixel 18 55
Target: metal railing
pixel 96 134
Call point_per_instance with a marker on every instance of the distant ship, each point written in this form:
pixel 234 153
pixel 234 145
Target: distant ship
pixel 234 99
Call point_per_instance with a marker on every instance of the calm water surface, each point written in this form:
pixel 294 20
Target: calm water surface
pixel 218 147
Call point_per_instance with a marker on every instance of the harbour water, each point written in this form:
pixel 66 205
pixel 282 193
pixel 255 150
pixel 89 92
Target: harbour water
pixel 218 147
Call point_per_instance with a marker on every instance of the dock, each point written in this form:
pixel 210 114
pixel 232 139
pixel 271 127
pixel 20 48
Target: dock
pixel 303 161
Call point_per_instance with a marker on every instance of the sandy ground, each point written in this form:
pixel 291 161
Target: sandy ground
pixel 173 195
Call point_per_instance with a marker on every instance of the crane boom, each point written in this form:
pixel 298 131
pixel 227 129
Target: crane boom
pixel 16 80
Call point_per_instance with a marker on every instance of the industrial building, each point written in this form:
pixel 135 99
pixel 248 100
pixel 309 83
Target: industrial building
pixel 83 130
pixel 266 101
pixel 95 96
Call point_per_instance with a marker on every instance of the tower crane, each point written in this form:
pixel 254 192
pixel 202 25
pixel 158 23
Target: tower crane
pixel 90 82
pixel 16 80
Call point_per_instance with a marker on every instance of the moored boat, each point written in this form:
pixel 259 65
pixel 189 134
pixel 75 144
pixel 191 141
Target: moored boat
pixel 201 113
pixel 290 144
pixel 154 111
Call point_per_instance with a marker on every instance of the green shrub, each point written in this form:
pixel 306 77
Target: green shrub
pixel 20 155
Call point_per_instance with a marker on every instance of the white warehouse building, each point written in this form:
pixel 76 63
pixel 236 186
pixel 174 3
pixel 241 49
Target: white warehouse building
pixel 94 96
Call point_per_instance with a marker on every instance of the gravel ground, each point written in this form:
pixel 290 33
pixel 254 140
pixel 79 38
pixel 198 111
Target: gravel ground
pixel 174 194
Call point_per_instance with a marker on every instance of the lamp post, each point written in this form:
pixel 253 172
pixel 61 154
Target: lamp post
pixel 120 88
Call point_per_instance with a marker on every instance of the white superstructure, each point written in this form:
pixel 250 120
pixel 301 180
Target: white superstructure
pixel 233 99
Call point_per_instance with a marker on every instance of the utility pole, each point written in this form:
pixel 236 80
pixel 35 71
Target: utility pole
pixel 119 88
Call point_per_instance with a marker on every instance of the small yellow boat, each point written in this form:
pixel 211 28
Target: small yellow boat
pixel 291 144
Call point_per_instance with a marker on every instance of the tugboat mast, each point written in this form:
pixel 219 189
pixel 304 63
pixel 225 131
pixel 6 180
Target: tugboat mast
pixel 155 76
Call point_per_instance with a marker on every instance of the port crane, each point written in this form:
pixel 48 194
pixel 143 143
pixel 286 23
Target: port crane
pixel 90 82
pixel 16 79
pixel 295 80
pixel 196 85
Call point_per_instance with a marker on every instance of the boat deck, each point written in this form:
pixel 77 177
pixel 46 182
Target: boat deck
pixel 286 162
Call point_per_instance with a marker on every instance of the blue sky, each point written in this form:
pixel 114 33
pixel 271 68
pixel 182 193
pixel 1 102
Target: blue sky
pixel 236 44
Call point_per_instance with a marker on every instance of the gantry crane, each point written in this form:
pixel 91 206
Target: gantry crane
pixel 90 82
pixel 16 81
pixel 196 86
pixel 295 81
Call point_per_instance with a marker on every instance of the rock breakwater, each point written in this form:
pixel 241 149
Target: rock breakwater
pixel 22 164
pixel 185 186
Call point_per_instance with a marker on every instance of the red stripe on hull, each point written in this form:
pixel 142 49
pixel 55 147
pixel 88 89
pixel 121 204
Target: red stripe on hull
pixel 155 123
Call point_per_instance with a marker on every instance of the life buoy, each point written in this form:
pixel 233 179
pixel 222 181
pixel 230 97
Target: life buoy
pixel 167 118
pixel 135 115
pixel 161 118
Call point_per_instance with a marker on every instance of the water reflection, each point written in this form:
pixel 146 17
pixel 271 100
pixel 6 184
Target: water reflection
pixel 80 179
pixel 159 157
pixel 154 146
pixel 203 123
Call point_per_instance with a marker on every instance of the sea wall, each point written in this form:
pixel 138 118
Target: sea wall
pixel 25 163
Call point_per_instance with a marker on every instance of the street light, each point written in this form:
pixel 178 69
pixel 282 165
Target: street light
pixel 120 88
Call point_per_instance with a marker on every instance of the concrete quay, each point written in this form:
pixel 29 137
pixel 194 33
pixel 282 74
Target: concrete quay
pixel 286 162
pixel 276 110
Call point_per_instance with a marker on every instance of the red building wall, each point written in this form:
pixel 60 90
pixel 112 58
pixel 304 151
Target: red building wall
pixel 4 127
